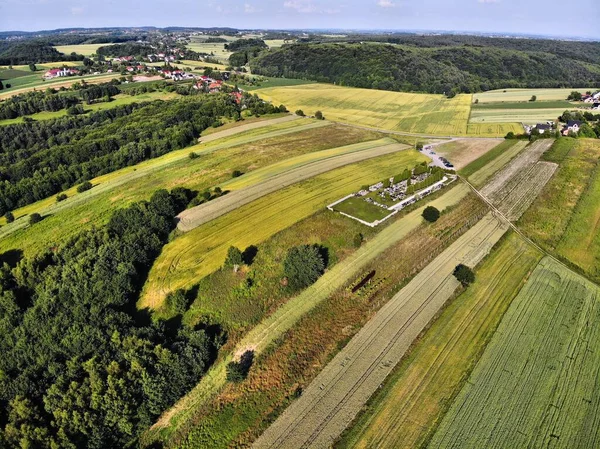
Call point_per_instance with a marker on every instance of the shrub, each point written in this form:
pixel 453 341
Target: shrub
pixel 302 266
pixel 35 218
pixel 238 371
pixel 9 217
pixel 464 275
pixel 431 214
pixel 177 302
pixel 510 135
pixel 358 239
pixel 193 155
pixel 234 258
pixel 300 113
pixel 61 197
pixel 236 174
pixel 85 186
pixel 319 115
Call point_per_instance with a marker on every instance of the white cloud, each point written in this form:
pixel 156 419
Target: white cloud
pixel 76 10
pixel 250 9
pixel 385 3
pixel 303 6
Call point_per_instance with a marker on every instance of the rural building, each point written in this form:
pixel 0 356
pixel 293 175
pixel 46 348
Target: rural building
pixel 543 127
pixel 572 125
pixel 596 106
pixel 55 73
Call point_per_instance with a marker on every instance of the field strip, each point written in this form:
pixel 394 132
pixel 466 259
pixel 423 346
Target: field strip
pixel 118 178
pixel 536 384
pixel 479 177
pixel 304 167
pixel 405 411
pixel 247 127
pixel 338 393
pixel 62 83
pixel 286 316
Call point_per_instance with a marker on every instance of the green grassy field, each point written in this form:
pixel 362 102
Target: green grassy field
pixel 551 104
pixel 246 151
pixel 480 170
pixel 270 82
pixel 527 116
pixel 396 111
pixel 536 383
pixel 118 100
pixel 201 251
pixel 217 50
pixel 405 412
pixel 523 95
pixel 80 49
pixel 33 82
pixel 359 208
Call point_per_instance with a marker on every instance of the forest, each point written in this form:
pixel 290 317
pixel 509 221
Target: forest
pixel 80 367
pixel 450 69
pixel 32 51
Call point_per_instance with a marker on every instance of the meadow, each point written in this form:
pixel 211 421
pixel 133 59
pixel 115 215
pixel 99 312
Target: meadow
pixel 80 49
pixel 527 116
pixel 405 412
pixel 524 95
pixel 218 158
pixel 332 400
pixel 305 316
pixel 395 111
pixel 32 82
pixel 217 50
pixel 534 386
pixel 197 253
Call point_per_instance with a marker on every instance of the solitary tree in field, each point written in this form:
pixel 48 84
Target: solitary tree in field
pixel 83 187
pixel 510 135
pixel 234 258
pixel 32 67
pixel 533 98
pixel 300 113
pixel 574 96
pixel 1 85
pixel 35 218
pixel 61 197
pixel 319 115
pixel 9 217
pixel 238 371
pixel 303 265
pixel 358 239
pixel 431 214
pixel 236 174
pixel 464 275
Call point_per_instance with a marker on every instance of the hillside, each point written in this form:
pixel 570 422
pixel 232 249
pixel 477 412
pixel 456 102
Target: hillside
pixel 434 70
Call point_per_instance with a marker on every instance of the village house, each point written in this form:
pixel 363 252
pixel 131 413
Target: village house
pixel 543 127
pixel 596 106
pixel 572 125
pixel 55 73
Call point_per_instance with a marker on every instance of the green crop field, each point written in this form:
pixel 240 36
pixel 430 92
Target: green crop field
pixel 285 317
pixel 405 412
pixel 118 100
pixel 552 104
pixel 396 111
pixel 247 150
pixel 536 383
pixel 527 116
pixel 80 49
pixel 523 95
pixel 201 251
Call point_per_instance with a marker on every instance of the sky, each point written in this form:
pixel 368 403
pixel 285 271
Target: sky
pixel 538 17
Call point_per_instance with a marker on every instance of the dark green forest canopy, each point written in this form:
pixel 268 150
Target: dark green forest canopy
pixel 79 367
pixel 36 51
pixel 434 70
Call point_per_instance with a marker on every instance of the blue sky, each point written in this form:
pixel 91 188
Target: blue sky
pixel 545 17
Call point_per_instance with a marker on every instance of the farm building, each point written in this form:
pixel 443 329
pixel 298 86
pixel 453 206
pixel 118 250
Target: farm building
pixel 55 73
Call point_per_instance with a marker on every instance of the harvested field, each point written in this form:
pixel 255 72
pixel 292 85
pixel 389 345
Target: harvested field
pixel 523 95
pixel 536 383
pixel 461 152
pixel 396 111
pixel 337 394
pixel 286 316
pixel 480 170
pixel 527 116
pixel 80 49
pixel 281 175
pixel 202 250
pixel 405 412
pixel 513 173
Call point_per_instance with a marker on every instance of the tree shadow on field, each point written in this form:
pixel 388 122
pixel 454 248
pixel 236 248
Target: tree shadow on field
pixel 249 254
pixel 11 257
pixel 324 253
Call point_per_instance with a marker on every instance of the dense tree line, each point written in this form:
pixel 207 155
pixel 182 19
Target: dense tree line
pixel 33 102
pixel 79 367
pixel 434 70
pixel 243 44
pixel 32 51
pixel 125 49
pixel 40 159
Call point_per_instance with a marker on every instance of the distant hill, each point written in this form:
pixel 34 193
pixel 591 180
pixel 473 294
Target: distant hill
pixel 453 67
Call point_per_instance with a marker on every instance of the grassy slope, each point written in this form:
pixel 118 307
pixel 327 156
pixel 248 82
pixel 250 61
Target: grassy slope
pixel 201 251
pixel 535 386
pixel 245 152
pixel 405 412
pixel 397 111
pixel 290 315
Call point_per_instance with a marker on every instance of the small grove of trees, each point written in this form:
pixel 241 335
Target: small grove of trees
pixel 300 113
pixel 87 185
pixel 431 214
pixel 574 96
pixel 234 258
pixel 464 275
pixel 302 266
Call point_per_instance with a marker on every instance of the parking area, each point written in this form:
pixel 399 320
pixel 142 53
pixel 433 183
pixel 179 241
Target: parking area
pixel 436 159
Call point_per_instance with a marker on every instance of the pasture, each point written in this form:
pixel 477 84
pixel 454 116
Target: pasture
pixel 338 393
pixel 405 412
pixel 183 416
pixel 534 386
pixel 197 253
pixel 395 111
pixel 523 95
pixel 252 149
pixel 80 49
